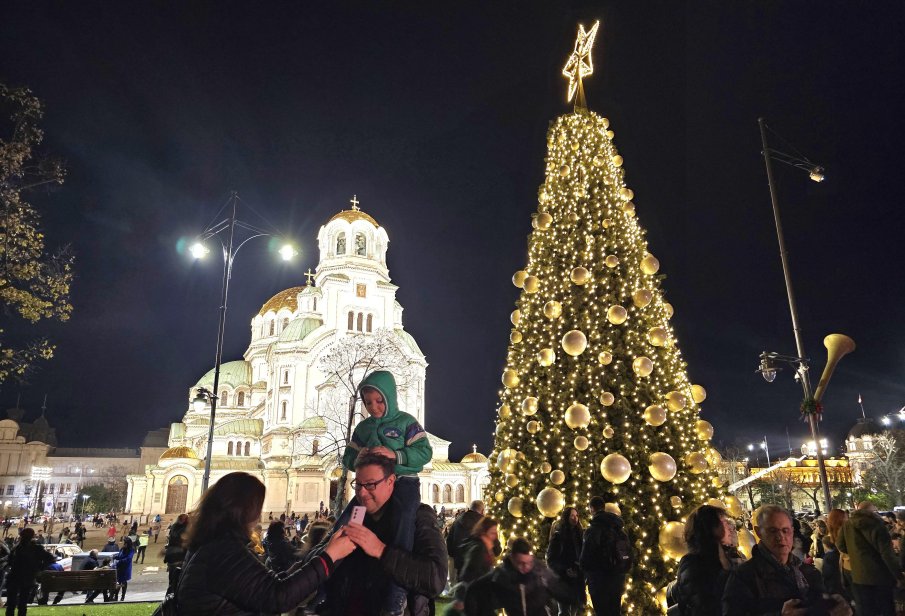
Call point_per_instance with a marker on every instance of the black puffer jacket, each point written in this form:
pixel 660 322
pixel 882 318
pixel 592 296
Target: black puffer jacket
pixel 280 553
pixel 699 586
pixel 224 578
pixel 760 586
pixel 532 594
pixel 597 545
pixel 459 533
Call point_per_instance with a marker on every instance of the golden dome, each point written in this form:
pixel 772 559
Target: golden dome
pixel 352 216
pixel 283 299
pixel 175 453
pixel 474 459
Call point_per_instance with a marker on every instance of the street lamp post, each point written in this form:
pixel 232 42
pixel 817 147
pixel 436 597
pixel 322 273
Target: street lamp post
pixel 230 249
pixel 85 498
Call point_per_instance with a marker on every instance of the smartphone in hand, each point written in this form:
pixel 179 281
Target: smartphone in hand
pixel 358 515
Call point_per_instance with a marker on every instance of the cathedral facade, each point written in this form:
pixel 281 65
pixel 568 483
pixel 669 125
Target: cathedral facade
pixel 283 410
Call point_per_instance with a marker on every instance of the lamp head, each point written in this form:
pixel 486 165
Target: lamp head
pixel 817 174
pixel 768 368
pixel 287 252
pixel 198 250
pixel 199 403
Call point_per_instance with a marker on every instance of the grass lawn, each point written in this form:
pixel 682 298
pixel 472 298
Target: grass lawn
pixel 98 609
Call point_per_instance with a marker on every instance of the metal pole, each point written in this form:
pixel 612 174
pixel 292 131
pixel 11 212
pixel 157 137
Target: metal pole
pixel 227 271
pixel 793 309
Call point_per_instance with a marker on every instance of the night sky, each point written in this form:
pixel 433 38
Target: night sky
pixel 435 115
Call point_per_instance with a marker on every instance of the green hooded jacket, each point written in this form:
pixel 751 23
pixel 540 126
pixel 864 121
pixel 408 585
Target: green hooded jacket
pixel 866 541
pixel 396 430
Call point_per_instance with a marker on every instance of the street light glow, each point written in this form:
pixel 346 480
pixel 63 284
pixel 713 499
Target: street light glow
pixel 288 252
pixel 198 250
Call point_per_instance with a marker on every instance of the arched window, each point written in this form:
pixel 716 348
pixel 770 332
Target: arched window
pixel 271 327
pixel 360 322
pixel 370 322
pixel 460 493
pixel 361 245
pixel 283 411
pixel 247 448
pixel 314 309
pixel 285 324
pixel 285 377
pixel 351 320
pixel 315 447
pixel 447 493
pixel 341 244
pixel 224 398
pixel 435 493
pixel 240 399
pixel 229 448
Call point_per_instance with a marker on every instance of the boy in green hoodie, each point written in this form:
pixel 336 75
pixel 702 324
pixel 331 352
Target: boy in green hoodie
pixel 392 433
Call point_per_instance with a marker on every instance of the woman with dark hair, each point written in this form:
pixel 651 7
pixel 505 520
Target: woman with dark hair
pixel 317 530
pixel 704 570
pixel 122 562
pixel 221 576
pixel 280 553
pixel 478 550
pixel 563 553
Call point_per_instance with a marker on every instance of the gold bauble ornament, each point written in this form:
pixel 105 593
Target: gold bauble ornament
pixel 672 540
pixel 703 429
pixel 510 378
pixel 629 208
pixel 552 309
pixel 511 480
pixel 550 502
pixel 716 482
pixel 611 261
pixel 557 477
pixel 610 134
pixel 505 456
pixel 715 502
pixel 580 275
pixel 515 506
pixel 605 358
pixel 662 466
pixel 518 278
pixel 499 429
pixel 574 145
pixel 650 265
pixel 515 317
pixel 505 412
pixel 499 497
pixel 574 342
pixel 612 508
pixel 713 457
pixel 616 315
pixel 573 217
pixel 532 426
pixel 598 161
pixel 581 443
pixel 607 399
pixel 625 194
pixel 696 462
pixel 529 405
pixel 578 416
pixel 643 366
pixel 669 309
pixel 617 160
pixel 660 598
pixel 515 337
pixel 546 467
pixel 561 138
pixel 655 415
pixel 675 401
pixel 607 222
pixel 532 284
pixel 546 357
pixel 698 394
pixel 746 542
pixel 733 506
pixel 657 336
pixel 544 220
pixel 564 171
pixel 675 501
pixel 605 122
pixel 608 432
pixel 616 468
pixel 642 297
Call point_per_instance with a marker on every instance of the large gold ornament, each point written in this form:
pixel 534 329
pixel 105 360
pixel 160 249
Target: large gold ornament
pixel 616 315
pixel 578 416
pixel 617 160
pixel 746 542
pixel 546 357
pixel 626 194
pixel 581 443
pixel 529 405
pixel 642 297
pixel 675 401
pixel 713 457
pixel 505 412
pixel 499 497
pixel 642 366
pixel 580 275
pixel 564 171
pixel 518 279
pixel 511 480
pixel 696 462
pixel 616 468
pixel 510 378
pixel 715 502
pixel 607 399
pixel 608 432
pixel 655 415
pixel 703 429
pixel 611 261
pixel 515 506
pixel 657 336
pixel 662 466
pixel 550 502
pixel 629 208
pixel 544 220
pixel 698 394
pixel 552 309
pixel 515 337
pixel 669 309
pixel 532 284
pixel 515 317
pixel 557 477
pixel 672 540
pixel 605 358
pixel 574 343
pixel 733 505
pixel 546 467
pixel 533 427
pixel 675 501
pixel 649 264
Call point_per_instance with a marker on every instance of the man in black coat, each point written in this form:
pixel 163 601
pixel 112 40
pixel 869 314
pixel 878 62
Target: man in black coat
pixel 459 532
pixel 362 578
pixel 605 583
pixel 26 560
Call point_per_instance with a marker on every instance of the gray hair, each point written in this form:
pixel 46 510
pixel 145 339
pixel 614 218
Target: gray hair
pixel 477 505
pixel 765 511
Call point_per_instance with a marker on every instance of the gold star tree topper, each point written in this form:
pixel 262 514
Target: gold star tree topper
pixel 580 64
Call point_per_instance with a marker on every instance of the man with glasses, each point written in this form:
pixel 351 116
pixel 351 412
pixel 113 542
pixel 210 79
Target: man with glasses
pixel 775 581
pixel 363 579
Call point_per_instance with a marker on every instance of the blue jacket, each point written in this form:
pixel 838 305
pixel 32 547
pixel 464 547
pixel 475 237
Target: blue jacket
pixel 123 565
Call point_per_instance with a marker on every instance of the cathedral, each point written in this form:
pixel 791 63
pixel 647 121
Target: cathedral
pixel 283 409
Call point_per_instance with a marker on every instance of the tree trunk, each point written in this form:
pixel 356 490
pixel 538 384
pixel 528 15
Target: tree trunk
pixel 339 503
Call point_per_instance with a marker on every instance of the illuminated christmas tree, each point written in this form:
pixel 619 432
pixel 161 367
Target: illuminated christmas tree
pixel 596 397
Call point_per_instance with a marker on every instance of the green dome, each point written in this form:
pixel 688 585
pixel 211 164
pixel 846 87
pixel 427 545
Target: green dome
pixel 245 427
pixel 409 341
pixel 314 423
pixel 232 373
pixel 298 329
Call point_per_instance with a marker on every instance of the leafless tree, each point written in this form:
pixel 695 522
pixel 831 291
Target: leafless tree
pixel 886 469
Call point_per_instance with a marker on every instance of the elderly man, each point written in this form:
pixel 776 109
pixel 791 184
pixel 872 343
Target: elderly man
pixel 875 567
pixel 365 576
pixel 775 581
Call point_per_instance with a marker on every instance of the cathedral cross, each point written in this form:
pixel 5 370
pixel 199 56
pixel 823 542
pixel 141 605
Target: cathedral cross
pixel 354 201
pixel 309 275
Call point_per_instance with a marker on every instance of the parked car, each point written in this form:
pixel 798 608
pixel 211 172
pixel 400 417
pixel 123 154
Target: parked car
pixel 64 553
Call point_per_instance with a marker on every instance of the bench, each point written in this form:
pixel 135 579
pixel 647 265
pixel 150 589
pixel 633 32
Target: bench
pixel 71 581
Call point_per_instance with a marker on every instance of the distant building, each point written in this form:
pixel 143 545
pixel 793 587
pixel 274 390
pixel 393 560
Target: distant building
pixel 859 446
pixel 799 481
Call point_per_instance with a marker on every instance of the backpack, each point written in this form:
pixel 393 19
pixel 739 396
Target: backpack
pixel 618 550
